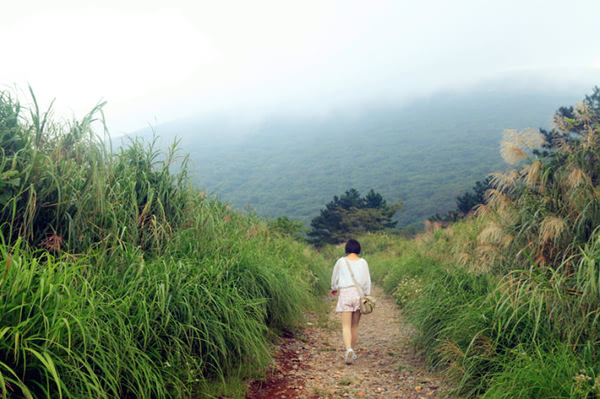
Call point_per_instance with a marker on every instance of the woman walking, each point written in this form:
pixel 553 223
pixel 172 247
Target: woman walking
pixel 349 299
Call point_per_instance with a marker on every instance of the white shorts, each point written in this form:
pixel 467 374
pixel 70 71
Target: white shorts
pixel 349 300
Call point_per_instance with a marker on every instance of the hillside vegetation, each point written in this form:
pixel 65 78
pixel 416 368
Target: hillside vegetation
pixel 508 303
pixel 425 153
pixel 120 279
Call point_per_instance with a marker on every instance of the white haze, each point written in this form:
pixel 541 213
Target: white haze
pixel 155 61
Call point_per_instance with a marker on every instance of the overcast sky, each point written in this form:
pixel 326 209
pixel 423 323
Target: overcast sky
pixel 154 61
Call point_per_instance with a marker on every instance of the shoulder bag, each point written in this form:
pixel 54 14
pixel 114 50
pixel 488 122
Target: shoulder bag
pixel 367 302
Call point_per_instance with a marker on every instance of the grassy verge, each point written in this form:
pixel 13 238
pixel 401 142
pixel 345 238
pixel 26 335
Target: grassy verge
pixel 120 279
pixel 530 333
pixel 508 303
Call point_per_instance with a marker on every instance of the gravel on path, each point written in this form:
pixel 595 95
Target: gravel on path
pixel 310 364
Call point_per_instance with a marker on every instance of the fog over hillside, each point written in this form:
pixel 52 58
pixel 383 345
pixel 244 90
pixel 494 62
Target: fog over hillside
pixel 229 123
pixel 424 153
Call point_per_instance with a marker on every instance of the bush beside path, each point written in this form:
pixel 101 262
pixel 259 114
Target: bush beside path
pixel 310 363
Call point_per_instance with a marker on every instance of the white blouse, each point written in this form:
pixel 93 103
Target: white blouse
pixel 341 276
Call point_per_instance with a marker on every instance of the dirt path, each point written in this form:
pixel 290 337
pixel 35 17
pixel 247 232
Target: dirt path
pixel 311 364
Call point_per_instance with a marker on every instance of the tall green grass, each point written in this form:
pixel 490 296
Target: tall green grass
pixel 507 303
pixel 120 279
pixel 531 333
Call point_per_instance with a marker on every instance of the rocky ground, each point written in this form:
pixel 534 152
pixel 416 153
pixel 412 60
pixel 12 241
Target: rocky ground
pixel 310 363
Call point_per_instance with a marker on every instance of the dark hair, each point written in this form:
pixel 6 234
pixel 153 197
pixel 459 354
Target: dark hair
pixel 352 247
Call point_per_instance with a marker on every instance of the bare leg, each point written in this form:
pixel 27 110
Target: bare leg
pixel 355 321
pixel 347 330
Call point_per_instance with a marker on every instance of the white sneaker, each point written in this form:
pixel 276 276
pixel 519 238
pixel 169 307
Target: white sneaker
pixel 350 356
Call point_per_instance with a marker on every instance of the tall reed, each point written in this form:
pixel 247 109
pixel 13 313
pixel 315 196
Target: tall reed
pixel 529 333
pixel 507 303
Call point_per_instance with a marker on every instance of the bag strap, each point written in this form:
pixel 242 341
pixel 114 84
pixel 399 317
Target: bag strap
pixel 358 287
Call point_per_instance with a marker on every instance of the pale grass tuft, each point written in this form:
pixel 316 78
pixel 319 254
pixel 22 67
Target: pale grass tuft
pixel 482 265
pixel 508 239
pixel 486 253
pixel 514 174
pixel 515 145
pixel 531 173
pixel 482 210
pixel 493 239
pixel 503 181
pixel 512 153
pixel 561 124
pixel 428 226
pixel 420 239
pixel 532 138
pixel 526 138
pixel 583 112
pixel 431 227
pixel 589 138
pixel 507 215
pixel 449 231
pixel 562 145
pixel 491 234
pixel 497 200
pixel 464 258
pixel 551 228
pixel 576 178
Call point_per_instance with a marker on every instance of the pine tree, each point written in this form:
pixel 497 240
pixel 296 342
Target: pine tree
pixel 351 215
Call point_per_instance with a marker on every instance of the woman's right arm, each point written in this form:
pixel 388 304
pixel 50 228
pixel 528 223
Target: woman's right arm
pixel 335 278
pixel 367 279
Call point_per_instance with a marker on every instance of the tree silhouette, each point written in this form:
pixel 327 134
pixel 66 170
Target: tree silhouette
pixel 350 215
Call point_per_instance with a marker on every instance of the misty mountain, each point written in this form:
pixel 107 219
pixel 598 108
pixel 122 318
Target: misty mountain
pixel 425 153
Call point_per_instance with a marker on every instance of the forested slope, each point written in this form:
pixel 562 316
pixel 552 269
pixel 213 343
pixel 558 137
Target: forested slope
pixel 425 153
